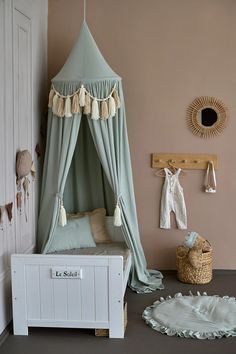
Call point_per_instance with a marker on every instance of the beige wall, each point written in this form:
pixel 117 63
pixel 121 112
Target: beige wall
pixel 168 52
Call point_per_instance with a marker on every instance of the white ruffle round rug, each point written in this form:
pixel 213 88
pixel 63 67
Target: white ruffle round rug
pixel 189 316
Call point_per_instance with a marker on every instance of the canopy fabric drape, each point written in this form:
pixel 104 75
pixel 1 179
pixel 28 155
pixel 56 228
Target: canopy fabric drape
pixel 61 140
pixel 111 141
pixel 87 187
pixel 86 68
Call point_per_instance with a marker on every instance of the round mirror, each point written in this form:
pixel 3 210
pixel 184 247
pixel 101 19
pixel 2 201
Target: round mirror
pixel 206 116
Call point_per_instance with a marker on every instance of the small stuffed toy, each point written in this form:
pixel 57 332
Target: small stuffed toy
pixel 197 245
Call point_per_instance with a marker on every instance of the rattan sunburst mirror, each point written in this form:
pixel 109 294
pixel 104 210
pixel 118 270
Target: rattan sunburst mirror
pixel 207 116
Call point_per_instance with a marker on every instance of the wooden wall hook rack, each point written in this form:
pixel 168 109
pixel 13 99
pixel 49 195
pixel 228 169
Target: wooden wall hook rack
pixel 184 161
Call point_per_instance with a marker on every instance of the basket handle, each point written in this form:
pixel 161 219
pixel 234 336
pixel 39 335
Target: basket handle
pixel 209 244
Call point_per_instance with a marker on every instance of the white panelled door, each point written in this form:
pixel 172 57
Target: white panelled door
pixel 23 122
pixel 23 58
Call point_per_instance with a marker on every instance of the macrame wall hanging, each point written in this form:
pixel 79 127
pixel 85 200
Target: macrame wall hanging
pixel 9 208
pixel 24 167
pixel 81 101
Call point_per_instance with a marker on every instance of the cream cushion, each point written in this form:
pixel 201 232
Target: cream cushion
pixel 97 222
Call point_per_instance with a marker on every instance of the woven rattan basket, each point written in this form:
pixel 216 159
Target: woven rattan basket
pixel 187 273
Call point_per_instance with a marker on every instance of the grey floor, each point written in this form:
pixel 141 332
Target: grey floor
pixel 139 338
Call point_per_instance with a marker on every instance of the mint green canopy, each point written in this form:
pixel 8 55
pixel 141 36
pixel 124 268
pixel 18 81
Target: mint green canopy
pixel 87 161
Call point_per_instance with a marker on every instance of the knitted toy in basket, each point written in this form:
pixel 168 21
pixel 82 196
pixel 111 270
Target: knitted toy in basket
pixel 196 245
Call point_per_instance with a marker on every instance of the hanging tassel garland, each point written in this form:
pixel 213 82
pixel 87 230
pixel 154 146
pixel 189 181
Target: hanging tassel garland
pixel 112 107
pixel 82 96
pixel 19 201
pixel 50 98
pixel 8 208
pixel 117 216
pixel 87 106
pixel 117 99
pixel 68 113
pixel 104 110
pixel 69 105
pixel 75 108
pixel 95 110
pixel 62 216
pixel 54 104
pixel 60 107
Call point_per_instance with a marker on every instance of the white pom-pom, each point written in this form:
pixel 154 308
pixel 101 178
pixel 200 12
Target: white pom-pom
pixel 62 216
pixel 54 104
pixel 68 107
pixel 112 107
pixel 82 96
pixel 95 110
pixel 117 216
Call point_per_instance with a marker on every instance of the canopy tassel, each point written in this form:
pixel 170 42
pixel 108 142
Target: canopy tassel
pixel 62 215
pixel 82 96
pixel 95 110
pixel 116 98
pixel 54 104
pixel 60 107
pixel 50 98
pixel 75 104
pixel 112 107
pixel 117 216
pixel 87 106
pixel 68 113
pixel 104 110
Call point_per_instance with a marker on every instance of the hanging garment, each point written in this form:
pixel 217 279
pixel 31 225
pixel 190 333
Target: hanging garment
pixel 172 200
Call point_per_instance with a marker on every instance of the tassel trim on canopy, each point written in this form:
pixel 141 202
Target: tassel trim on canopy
pixel 62 215
pixel 82 100
pixel 117 216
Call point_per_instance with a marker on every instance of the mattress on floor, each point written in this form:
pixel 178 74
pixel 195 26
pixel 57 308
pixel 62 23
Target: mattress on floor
pixel 101 249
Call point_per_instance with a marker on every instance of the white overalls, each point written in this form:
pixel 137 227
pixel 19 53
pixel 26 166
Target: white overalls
pixel 172 199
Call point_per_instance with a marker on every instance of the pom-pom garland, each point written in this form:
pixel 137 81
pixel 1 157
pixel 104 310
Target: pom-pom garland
pixel 81 101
